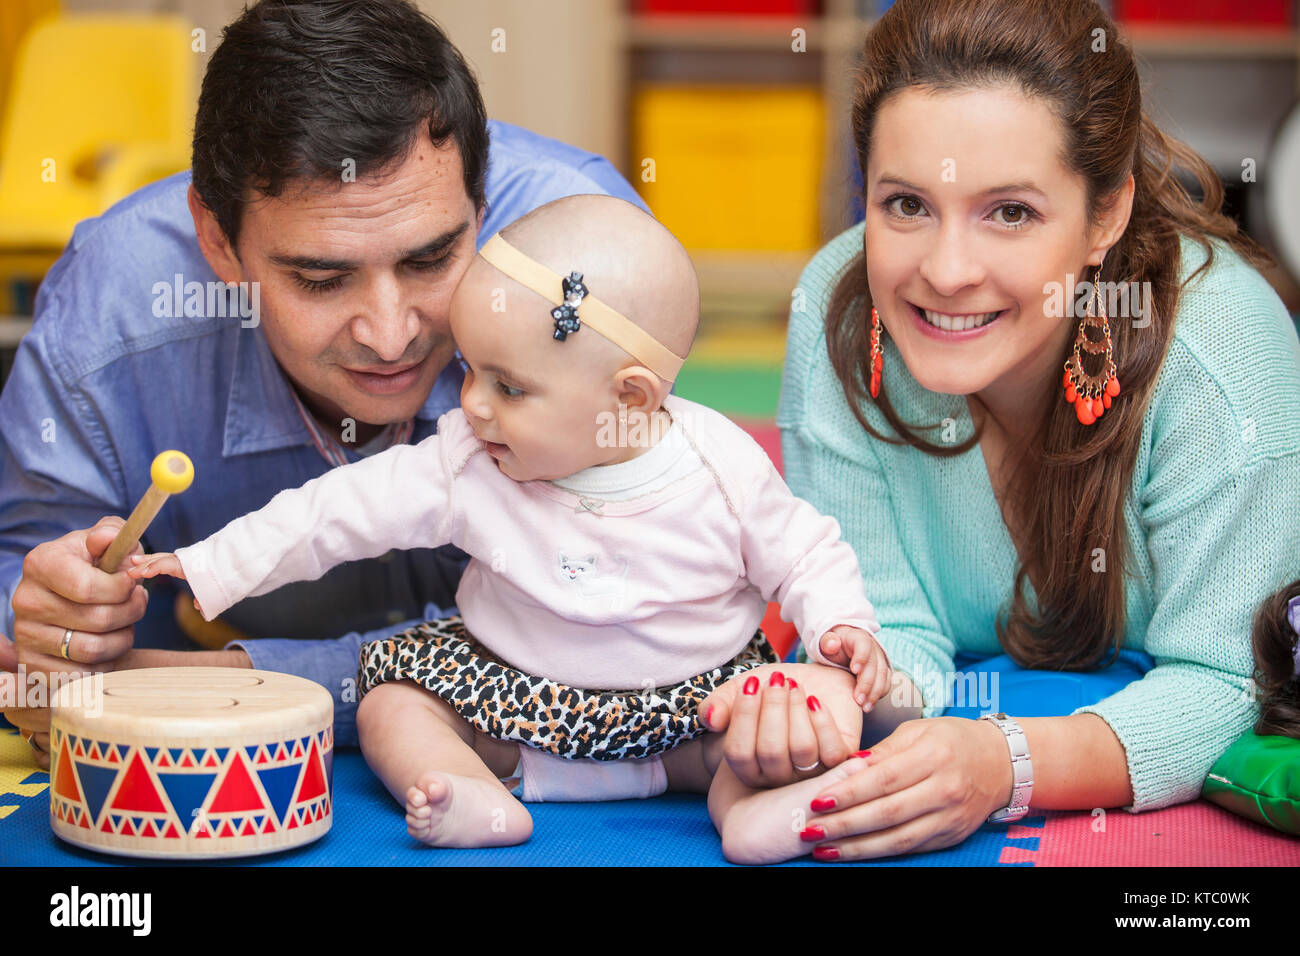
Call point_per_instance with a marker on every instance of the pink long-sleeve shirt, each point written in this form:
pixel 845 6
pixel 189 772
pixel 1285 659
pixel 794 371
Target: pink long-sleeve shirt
pixel 594 593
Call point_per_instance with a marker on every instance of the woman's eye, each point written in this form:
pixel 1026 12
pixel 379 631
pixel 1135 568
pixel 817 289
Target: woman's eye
pixel 318 285
pixel 1015 214
pixel 904 207
pixel 509 391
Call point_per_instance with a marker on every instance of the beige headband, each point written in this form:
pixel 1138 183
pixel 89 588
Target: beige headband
pixel 615 326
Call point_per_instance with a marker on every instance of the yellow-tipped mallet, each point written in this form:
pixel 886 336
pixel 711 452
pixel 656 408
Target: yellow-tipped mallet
pixel 171 473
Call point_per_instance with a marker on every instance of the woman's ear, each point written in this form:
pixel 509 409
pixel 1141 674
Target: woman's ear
pixel 1113 221
pixel 640 389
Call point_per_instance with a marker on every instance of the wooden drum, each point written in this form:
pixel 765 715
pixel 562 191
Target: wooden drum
pixel 191 762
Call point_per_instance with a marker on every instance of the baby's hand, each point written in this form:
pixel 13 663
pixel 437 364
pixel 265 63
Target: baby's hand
pixel 152 565
pixel 859 651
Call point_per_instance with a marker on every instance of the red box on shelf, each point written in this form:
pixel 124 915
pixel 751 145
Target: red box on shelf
pixel 1256 12
pixel 752 8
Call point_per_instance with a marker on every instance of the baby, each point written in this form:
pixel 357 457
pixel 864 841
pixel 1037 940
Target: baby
pixel 624 544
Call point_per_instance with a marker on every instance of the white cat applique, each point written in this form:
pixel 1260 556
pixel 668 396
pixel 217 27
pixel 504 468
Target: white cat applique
pixel 593 582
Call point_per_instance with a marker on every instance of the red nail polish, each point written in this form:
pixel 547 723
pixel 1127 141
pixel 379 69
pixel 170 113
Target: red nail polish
pixel 826 853
pixel 814 704
pixel 859 753
pixel 790 681
pixel 823 803
pixel 708 715
pixel 813 834
pixel 778 679
pixel 751 686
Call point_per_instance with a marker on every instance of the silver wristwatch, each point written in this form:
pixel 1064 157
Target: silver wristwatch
pixel 1021 768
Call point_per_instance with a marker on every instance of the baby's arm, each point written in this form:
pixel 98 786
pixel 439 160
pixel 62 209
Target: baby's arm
pixel 400 498
pixel 796 557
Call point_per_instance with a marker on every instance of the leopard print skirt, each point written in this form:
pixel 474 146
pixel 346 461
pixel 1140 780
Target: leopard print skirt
pixel 507 704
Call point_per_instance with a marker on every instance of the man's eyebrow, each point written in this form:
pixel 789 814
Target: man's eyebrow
pixel 510 377
pixel 1026 187
pixel 317 264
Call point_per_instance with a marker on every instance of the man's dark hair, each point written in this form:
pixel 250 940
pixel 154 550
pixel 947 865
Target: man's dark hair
pixel 297 88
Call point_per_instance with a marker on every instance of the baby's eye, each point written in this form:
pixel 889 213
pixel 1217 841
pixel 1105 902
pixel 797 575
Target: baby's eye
pixel 509 391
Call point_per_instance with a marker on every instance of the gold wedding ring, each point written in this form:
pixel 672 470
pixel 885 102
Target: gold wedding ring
pixel 63 648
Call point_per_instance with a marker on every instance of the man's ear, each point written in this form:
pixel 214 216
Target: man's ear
pixel 640 389
pixel 215 246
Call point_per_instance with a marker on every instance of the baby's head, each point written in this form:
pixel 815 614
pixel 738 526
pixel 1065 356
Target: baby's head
pixel 545 405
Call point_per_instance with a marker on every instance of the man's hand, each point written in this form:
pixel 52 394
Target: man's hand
pixel 69 617
pixel 857 650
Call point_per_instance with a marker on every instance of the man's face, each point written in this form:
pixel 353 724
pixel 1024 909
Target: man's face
pixel 356 282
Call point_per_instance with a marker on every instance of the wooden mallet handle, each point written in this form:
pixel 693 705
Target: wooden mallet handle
pixel 170 474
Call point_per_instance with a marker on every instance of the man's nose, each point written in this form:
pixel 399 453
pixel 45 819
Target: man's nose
pixel 950 264
pixel 388 321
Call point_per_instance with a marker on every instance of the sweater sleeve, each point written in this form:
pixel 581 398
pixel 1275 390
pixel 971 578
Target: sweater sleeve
pixel 1215 558
pixel 795 556
pixel 399 498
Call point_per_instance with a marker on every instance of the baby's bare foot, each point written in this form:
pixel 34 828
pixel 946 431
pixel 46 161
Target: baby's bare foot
pixel 764 827
pixel 444 809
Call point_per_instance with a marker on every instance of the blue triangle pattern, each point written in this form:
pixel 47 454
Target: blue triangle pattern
pixel 186 791
pixel 176 753
pixel 151 753
pixel 279 783
pixel 251 751
pixel 221 754
pixel 95 784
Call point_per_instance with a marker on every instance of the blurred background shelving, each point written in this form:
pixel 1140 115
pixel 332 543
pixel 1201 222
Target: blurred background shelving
pixel 731 116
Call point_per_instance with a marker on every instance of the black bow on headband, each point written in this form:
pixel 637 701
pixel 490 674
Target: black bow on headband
pixel 566 316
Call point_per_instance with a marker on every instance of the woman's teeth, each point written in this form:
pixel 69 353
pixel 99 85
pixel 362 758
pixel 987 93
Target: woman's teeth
pixel 957 323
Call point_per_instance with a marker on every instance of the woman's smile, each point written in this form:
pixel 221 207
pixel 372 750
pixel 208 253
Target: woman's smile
pixel 953 326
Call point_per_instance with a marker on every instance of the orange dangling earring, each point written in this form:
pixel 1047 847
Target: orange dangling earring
pixel 1091 394
pixel 877 353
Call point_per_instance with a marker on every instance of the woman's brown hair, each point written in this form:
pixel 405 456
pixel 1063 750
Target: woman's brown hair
pixel 1068 486
pixel 1277 681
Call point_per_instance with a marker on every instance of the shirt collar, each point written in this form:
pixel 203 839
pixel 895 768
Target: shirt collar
pixel 261 409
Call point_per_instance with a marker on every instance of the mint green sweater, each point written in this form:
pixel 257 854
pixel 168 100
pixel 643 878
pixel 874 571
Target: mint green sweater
pixel 1213 514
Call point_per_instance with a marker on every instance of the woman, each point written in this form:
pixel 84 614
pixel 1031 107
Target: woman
pixel 1006 159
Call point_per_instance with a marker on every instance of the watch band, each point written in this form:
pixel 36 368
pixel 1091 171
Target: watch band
pixel 1022 769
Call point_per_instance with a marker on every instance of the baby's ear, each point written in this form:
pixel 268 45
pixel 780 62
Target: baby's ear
pixel 640 389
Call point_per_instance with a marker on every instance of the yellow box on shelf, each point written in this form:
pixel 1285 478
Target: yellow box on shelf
pixel 732 168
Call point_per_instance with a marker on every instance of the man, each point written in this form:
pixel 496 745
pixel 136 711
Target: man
pixel 344 174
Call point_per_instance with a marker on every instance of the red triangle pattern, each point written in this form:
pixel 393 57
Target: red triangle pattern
pixel 94 752
pixel 83 820
pixel 137 791
pixel 65 780
pixel 187 760
pixel 80 751
pixel 171 833
pixel 293 823
pixel 126 827
pixel 106 827
pixel 226 831
pixel 211 761
pixel 269 826
pixel 237 792
pixel 162 760
pixel 147 830
pixel 280 753
pixel 313 778
pixel 249 829
pixel 262 757
pixel 112 755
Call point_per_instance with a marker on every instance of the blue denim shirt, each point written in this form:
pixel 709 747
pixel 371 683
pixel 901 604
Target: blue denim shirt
pixel 101 385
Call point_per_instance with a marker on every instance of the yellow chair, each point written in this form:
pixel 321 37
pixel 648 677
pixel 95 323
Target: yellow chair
pixel 99 106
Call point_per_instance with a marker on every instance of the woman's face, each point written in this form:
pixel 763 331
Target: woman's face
pixel 969 215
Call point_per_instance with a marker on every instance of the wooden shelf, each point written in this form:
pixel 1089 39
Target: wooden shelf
pixel 1211 40
pixel 743 33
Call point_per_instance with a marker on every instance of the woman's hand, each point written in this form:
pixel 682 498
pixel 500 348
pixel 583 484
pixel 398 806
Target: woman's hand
pixel 928 785
pixel 776 732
